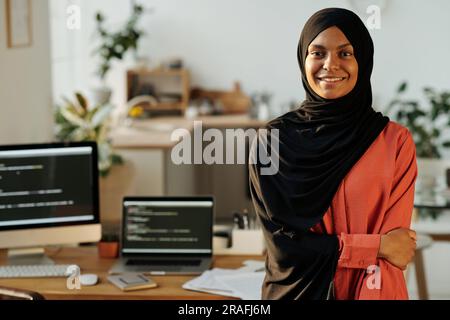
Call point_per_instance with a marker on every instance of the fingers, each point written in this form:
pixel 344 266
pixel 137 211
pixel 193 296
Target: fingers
pixel 412 234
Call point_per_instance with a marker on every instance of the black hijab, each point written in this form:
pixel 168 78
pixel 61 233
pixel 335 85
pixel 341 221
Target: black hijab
pixel 318 145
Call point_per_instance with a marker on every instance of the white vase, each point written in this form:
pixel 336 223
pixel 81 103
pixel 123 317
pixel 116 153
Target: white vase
pixel 101 95
pixel 430 168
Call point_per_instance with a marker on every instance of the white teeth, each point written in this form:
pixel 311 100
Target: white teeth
pixel 331 79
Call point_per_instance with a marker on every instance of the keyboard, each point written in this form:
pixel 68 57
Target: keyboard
pixel 34 271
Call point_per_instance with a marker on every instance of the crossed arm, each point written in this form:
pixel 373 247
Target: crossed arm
pixel 395 243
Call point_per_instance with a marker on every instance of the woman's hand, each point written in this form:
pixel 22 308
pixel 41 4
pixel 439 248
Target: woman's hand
pixel 398 247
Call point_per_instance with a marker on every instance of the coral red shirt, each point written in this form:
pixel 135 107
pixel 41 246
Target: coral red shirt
pixel 375 197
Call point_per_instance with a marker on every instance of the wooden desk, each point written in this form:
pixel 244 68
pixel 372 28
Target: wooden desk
pixel 169 287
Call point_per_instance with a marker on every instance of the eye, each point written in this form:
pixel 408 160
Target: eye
pixel 317 54
pixel 346 54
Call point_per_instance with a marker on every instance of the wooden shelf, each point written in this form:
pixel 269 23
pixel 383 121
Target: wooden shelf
pixel 163 84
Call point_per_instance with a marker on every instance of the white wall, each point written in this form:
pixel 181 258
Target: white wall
pixel 25 82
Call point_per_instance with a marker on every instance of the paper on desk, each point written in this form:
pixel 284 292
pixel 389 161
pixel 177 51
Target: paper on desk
pixel 228 282
pixel 207 282
pixel 246 286
pixel 252 266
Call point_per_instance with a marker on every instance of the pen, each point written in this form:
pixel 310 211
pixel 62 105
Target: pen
pixel 245 220
pixel 238 220
pixel 157 273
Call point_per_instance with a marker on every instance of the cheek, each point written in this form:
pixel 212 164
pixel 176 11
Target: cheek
pixel 311 68
pixel 352 70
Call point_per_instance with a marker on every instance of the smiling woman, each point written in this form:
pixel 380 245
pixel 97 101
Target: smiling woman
pixel 330 65
pixel 336 215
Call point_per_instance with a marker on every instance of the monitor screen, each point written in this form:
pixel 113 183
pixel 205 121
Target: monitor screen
pixel 45 185
pixel 167 225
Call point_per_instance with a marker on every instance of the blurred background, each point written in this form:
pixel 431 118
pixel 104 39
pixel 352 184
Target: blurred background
pixel 141 69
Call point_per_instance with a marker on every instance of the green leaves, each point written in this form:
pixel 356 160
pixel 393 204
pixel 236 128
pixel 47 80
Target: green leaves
pixel 77 121
pixel 99 17
pixel 425 125
pixel 116 159
pixel 402 87
pixel 81 101
pixel 116 44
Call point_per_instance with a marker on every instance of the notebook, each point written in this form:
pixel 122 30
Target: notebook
pixel 131 282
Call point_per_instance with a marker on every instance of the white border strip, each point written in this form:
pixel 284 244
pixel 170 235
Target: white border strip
pixel 166 250
pixel 45 152
pixel 45 220
pixel 174 203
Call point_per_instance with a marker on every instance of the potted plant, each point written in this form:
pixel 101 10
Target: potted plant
pixel 428 127
pixel 108 247
pixel 76 120
pixel 114 45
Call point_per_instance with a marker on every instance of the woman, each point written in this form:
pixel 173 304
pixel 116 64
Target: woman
pixel 336 214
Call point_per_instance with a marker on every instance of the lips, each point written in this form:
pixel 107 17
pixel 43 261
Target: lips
pixel 331 79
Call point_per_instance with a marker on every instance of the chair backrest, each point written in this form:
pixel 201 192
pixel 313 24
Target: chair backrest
pixel 7 293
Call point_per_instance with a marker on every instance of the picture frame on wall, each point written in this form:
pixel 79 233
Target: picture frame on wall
pixel 18 23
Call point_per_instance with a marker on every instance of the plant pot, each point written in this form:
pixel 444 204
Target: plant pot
pixel 108 250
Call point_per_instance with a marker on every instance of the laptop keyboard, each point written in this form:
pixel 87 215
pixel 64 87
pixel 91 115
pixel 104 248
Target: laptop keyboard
pixel 160 262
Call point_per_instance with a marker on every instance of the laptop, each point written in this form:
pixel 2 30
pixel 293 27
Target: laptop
pixel 166 235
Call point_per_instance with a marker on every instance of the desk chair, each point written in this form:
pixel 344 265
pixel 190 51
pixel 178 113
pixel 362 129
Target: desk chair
pixel 19 294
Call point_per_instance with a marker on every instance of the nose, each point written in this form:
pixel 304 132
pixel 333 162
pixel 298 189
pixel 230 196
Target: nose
pixel 331 62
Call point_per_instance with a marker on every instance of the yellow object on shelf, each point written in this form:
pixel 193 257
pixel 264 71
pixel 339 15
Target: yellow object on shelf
pixel 136 112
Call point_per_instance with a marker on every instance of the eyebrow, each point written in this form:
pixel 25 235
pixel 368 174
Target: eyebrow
pixel 318 46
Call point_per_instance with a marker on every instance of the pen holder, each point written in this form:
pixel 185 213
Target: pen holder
pixel 244 242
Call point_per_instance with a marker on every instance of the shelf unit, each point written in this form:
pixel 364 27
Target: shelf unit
pixel 171 87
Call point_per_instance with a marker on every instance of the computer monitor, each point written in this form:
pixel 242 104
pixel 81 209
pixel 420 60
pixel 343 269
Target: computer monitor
pixel 48 196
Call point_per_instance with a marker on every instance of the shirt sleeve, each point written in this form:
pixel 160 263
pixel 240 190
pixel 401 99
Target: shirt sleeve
pixel 361 250
pixel 358 250
pixel 401 199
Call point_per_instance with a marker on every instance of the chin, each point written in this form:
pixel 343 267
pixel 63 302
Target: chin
pixel 330 96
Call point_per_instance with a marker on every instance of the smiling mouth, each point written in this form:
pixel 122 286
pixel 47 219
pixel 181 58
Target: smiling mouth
pixel 331 79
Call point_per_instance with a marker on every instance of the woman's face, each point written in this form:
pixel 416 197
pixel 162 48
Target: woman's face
pixel 330 65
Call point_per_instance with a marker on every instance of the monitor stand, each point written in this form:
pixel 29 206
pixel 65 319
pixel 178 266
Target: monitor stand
pixel 29 256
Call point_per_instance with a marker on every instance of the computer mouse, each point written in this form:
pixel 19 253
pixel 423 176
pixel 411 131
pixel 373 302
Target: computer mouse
pixel 88 279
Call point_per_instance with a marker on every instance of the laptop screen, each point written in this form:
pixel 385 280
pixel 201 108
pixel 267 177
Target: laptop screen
pixel 167 225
